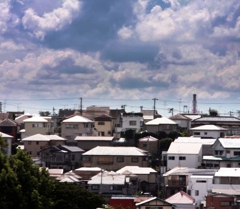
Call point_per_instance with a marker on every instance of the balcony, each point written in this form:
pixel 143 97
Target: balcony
pixel 176 183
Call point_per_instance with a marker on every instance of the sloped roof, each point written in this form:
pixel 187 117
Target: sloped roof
pixel 94 138
pixel 8 122
pixel 192 116
pixel 5 135
pixel 208 128
pixel 181 148
pixel 179 117
pixel 88 169
pixel 181 198
pixel 229 143
pixel 35 119
pixel 136 170
pixel 72 148
pixel 77 119
pixel 3 116
pixel 155 199
pixel 109 178
pixel 40 137
pixel 195 139
pixel 148 138
pixel 219 119
pixel 162 120
pixel 117 151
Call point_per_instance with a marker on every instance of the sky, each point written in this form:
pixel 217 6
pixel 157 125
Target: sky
pixel 114 53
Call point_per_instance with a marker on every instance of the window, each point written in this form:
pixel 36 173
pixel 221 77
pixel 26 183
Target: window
pixel 182 158
pixel 115 187
pixel 95 187
pixel 29 143
pixel 226 203
pixel 201 181
pixel 218 152
pixel 85 125
pixel 132 123
pixel 75 126
pixel 86 158
pixel 101 123
pixel 171 158
pixel 228 151
pixel 196 133
pixel 37 142
pixel 196 192
pixel 73 157
pixel 236 153
pixel 120 159
pixel 134 159
pixel 205 133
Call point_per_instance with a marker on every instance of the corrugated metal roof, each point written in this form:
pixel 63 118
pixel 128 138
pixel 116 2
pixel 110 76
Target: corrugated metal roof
pixel 219 118
pixel 119 151
pixel 183 148
pixel 162 120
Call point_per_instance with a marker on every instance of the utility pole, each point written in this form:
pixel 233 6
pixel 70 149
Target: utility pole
pixel 0 106
pixel 80 106
pixel 123 107
pixel 154 106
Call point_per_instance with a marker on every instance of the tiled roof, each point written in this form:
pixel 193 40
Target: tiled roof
pixel 181 198
pixel 94 138
pixel 109 178
pixel 35 119
pixel 179 117
pixel 117 151
pixel 71 148
pixel 77 119
pixel 8 122
pixel 40 137
pixel 5 135
pixel 148 138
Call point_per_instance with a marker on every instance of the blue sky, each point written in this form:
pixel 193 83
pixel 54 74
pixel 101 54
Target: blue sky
pixel 114 53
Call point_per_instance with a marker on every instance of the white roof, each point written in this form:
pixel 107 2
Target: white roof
pixel 193 117
pixel 70 179
pixel 35 119
pixel 230 142
pixel 208 128
pixel 228 172
pixel 88 169
pixel 117 151
pixel 148 138
pixel 136 170
pixel 22 131
pixel 77 119
pixel 110 178
pixel 195 139
pixel 5 135
pixel 94 138
pixel 184 148
pixel 162 120
pixel 40 137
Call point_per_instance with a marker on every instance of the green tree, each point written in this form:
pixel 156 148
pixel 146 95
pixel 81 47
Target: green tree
pixel 165 143
pixel 3 144
pixel 213 112
pixel 44 113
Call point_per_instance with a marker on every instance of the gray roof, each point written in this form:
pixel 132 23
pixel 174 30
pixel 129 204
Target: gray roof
pixel 218 118
pixel 109 178
pixel 184 148
pixel 208 128
pixel 162 120
pixel 230 143
pixel 72 148
pixel 117 151
pixel 94 138
pixel 148 138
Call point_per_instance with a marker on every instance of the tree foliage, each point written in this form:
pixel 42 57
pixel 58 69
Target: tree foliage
pixel 165 143
pixel 44 113
pixel 213 112
pixel 24 185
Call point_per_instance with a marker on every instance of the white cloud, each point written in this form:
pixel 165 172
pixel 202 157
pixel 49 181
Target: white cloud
pixel 56 20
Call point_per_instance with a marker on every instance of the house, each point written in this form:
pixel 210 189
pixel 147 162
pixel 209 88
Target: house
pixel 161 124
pixel 8 139
pixel 182 200
pixel 131 121
pixel 179 155
pixel 182 121
pixel 76 126
pixel 154 202
pixel 147 177
pixel 179 179
pixel 226 154
pixel 209 131
pixel 104 125
pixel 109 183
pixel 149 143
pixel 37 125
pixel 61 156
pixel 149 114
pixel 70 177
pixel 10 127
pixel 35 143
pixel 232 124
pixel 220 201
pixel 114 158
pixel 89 142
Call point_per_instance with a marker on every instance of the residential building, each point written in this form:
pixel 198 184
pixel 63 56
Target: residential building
pixel 76 126
pixel 35 143
pixel 232 124
pixel 10 127
pixel 154 202
pixel 182 121
pixel 89 142
pixel 226 154
pixel 149 143
pixel 110 183
pixel 178 155
pixel 104 125
pixel 7 138
pixel 114 158
pixel 147 178
pixel 182 200
pixel 161 124
pixel 149 115
pixel 209 131
pixel 220 201
pixel 61 156
pixel 37 125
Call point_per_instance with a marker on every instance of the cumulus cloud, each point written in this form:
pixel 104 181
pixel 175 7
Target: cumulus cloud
pixel 55 20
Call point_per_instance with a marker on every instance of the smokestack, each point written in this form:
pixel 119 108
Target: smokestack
pixel 194 104
pixel 141 108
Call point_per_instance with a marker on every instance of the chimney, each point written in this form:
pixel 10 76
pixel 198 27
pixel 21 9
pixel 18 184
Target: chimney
pixel 194 104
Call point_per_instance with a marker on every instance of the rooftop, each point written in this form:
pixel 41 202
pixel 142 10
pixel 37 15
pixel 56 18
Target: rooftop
pixel 181 148
pixel 162 120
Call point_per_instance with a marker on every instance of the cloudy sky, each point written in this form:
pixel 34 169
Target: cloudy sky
pixel 114 53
